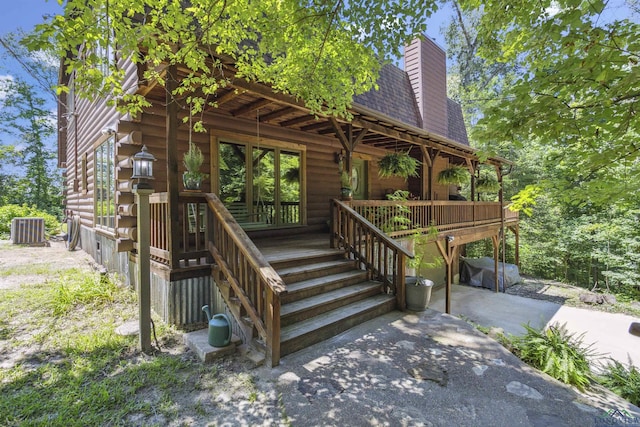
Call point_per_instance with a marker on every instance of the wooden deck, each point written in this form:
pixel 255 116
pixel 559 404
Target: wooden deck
pixel 326 292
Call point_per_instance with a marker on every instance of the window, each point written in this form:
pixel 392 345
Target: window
pixel 71 100
pixel 104 170
pixel 83 171
pixel 261 185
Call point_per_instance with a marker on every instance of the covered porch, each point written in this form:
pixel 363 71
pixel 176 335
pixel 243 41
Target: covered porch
pixel 291 289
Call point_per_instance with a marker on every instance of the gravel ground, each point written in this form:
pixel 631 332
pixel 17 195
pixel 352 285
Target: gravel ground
pixel 565 294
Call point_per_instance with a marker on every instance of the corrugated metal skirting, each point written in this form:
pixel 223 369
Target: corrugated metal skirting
pixel 184 300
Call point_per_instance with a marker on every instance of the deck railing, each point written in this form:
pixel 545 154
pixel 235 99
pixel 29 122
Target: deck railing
pixel 189 228
pixel 382 257
pixel 397 218
pixel 254 282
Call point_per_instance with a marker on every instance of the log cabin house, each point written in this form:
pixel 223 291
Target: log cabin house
pixel 267 239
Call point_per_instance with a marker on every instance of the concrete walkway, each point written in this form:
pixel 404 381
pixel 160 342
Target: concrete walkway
pixel 429 369
pixel 608 332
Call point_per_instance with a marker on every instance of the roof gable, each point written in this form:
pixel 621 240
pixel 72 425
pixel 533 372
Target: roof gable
pixel 394 98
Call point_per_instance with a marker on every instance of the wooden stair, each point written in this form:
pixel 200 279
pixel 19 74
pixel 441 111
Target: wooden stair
pixel 327 294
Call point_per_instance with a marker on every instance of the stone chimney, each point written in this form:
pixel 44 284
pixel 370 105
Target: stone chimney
pixel 426 64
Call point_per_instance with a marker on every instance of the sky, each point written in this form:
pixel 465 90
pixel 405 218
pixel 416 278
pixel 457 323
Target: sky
pixel 25 14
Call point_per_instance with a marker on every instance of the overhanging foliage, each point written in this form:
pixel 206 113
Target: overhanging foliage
pixel 322 53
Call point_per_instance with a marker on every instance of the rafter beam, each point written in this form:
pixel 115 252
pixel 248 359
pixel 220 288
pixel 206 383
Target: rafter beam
pixel 346 144
pixel 297 120
pixel 277 113
pixel 315 126
pixel 253 106
pixel 232 94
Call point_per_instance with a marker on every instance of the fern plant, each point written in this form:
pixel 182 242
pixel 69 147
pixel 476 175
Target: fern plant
pixel 398 164
pixel 457 175
pixel 557 352
pixel 622 380
pixel 487 184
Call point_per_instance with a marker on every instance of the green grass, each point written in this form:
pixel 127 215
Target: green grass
pixel 73 368
pixel 26 269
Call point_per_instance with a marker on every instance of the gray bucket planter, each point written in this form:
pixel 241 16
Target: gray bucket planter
pixel 418 293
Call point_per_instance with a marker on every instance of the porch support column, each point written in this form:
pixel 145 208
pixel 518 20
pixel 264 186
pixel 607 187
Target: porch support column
pixel 502 228
pixel 427 172
pixel 494 240
pixel 448 253
pixel 516 232
pixel 348 141
pixel 472 166
pixel 172 124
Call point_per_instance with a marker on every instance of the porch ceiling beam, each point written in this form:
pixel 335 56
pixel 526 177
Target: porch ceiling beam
pixel 346 144
pixel 148 87
pixel 426 156
pixel 298 120
pixel 327 131
pixel 232 94
pixel 253 106
pixel 277 113
pixel 267 93
pixel 360 136
pixel 415 140
pixel 315 126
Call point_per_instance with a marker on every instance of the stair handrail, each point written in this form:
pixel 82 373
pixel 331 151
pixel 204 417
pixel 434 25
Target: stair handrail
pixel 227 243
pixel 346 224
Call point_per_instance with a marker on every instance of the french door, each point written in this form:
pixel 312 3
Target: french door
pixel 261 185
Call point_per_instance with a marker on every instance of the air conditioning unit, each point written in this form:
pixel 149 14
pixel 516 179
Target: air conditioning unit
pixel 27 231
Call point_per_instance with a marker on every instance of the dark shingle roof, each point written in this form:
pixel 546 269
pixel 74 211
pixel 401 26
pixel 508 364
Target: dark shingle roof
pixel 394 98
pixel 457 130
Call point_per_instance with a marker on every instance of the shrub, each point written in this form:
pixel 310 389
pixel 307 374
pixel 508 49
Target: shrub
pixel 622 380
pixel 8 212
pixel 557 352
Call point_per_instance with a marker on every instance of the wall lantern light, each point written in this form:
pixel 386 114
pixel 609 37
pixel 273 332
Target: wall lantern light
pixel 143 167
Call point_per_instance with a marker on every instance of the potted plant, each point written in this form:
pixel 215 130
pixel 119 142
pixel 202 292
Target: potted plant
pixel 398 164
pixel 193 160
pixel 486 183
pixel 418 288
pixel 345 186
pixel 457 175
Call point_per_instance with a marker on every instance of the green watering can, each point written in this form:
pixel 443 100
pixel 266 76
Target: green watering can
pixel 219 328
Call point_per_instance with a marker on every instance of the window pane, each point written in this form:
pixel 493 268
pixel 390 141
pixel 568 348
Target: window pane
pixel 233 177
pixel 263 186
pixel 289 187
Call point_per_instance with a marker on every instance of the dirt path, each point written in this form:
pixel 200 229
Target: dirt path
pixel 24 265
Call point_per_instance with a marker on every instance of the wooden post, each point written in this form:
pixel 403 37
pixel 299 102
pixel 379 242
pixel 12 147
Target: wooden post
pixel 144 269
pixel 401 298
pixel 448 255
pixel 517 233
pixel 172 124
pixel 272 322
pixel 494 240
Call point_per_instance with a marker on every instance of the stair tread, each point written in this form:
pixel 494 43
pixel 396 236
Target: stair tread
pixel 314 266
pixel 298 254
pixel 327 297
pixel 306 326
pixel 318 281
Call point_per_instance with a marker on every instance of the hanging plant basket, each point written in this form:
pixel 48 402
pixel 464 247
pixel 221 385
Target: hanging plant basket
pixel 193 160
pixel 398 164
pixel 457 175
pixel 487 184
